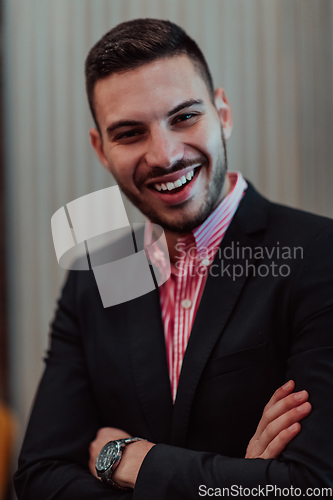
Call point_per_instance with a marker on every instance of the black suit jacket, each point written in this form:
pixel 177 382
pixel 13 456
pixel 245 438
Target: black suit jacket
pixel 252 333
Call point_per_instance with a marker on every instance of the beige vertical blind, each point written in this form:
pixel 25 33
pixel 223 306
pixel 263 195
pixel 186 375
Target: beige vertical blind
pixel 274 59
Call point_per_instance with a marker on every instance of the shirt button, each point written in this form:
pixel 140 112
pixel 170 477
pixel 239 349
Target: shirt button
pixel 186 303
pixel 205 262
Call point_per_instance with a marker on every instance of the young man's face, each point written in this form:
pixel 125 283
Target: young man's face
pixel 162 140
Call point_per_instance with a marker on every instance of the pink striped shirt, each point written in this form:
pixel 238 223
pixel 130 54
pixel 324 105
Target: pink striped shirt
pixel 180 295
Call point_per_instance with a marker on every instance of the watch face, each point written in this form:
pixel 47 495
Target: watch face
pixel 107 457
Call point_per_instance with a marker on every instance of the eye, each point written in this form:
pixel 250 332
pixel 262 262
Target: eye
pixel 184 118
pixel 128 136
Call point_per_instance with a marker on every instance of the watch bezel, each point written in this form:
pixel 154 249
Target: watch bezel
pixel 113 460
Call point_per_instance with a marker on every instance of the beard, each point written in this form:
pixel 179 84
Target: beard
pixel 182 222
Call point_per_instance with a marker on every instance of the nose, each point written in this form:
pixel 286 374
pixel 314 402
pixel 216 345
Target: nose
pixel 164 148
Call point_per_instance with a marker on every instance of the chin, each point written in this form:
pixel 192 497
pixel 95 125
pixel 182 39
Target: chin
pixel 183 219
pixel 180 223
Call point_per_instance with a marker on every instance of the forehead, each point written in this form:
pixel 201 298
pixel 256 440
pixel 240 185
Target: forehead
pixel 149 90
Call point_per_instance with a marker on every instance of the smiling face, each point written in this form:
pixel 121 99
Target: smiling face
pixel 162 140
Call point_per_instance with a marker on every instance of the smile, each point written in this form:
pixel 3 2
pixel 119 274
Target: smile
pixel 169 186
pixel 176 181
pixel 177 187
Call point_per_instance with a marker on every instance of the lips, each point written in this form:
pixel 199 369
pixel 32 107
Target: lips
pixel 174 179
pixel 170 186
pixel 176 187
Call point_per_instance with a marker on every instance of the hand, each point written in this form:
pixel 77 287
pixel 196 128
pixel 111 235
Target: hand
pixel 133 455
pixel 127 471
pixel 279 423
pixel 103 436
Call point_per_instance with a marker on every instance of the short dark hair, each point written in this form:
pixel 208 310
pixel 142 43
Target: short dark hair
pixel 135 43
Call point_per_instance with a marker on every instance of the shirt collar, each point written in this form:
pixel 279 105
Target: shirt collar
pixel 221 217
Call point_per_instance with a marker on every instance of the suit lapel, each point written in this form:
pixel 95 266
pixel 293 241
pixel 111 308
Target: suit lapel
pixel 149 362
pixel 219 298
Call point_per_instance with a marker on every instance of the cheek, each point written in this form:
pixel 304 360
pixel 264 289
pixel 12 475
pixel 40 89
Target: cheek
pixel 121 167
pixel 210 139
pixel 214 141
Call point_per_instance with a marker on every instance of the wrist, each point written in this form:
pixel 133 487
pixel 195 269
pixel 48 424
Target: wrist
pixel 109 461
pixel 128 469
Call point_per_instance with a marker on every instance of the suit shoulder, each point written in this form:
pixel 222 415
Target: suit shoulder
pixel 79 290
pixel 298 221
pixel 277 222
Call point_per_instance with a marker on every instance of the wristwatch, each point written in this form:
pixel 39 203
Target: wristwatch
pixel 109 459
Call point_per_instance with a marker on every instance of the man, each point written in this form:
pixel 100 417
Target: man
pixel 190 366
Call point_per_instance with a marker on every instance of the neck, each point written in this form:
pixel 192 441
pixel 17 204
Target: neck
pixel 172 238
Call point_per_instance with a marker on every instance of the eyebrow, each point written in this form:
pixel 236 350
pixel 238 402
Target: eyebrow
pixel 132 123
pixel 185 104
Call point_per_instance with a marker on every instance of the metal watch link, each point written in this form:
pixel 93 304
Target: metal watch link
pixel 109 459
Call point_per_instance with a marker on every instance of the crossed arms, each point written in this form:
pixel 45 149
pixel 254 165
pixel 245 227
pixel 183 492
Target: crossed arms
pixel 80 394
pixel 278 426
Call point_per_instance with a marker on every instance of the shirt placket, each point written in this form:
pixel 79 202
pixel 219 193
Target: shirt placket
pixel 184 304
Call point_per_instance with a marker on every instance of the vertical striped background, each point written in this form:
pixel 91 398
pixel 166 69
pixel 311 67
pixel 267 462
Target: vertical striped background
pixel 274 59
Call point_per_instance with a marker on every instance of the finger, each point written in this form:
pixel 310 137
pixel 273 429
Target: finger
pixel 110 434
pixel 279 443
pixel 281 423
pixel 284 405
pixel 281 392
pixel 279 408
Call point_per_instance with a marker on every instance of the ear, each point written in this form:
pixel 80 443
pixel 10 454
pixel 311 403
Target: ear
pixel 224 111
pixel 97 144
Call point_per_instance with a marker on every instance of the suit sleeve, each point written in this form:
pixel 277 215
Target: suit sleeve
pixel 54 459
pixel 307 462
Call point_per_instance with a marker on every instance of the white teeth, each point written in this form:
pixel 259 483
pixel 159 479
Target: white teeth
pixel 169 186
